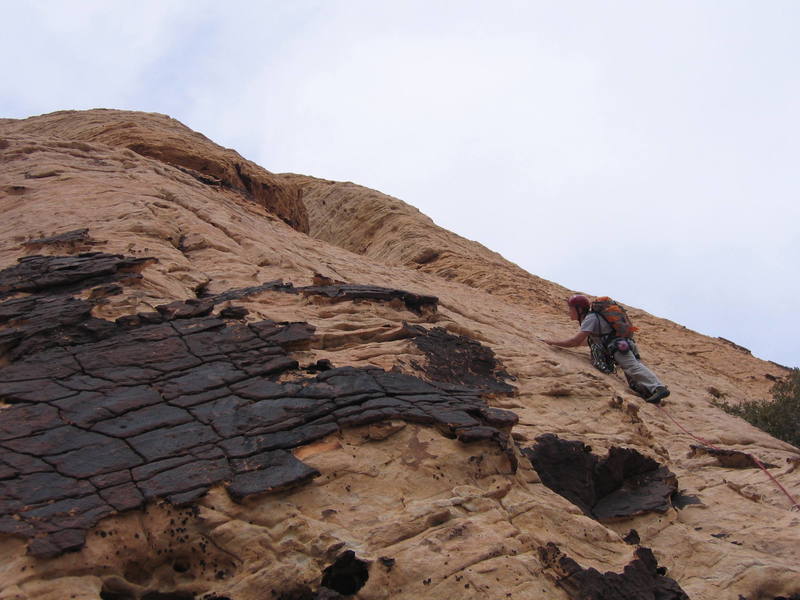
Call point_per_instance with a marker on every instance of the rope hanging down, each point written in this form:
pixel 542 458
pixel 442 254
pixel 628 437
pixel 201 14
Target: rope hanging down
pixel 795 504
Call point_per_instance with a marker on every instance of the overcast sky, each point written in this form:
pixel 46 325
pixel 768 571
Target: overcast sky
pixel 645 150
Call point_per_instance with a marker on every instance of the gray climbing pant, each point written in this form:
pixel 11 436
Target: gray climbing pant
pixel 639 376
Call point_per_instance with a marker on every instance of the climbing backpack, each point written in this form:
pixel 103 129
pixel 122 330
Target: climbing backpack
pixel 615 315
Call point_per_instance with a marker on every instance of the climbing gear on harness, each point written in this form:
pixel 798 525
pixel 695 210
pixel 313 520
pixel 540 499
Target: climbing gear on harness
pixel 621 345
pixel 603 354
pixel 602 359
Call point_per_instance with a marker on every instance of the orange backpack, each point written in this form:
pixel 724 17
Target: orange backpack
pixel 614 315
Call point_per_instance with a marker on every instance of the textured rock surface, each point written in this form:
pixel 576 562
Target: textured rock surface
pixel 138 399
pixel 165 140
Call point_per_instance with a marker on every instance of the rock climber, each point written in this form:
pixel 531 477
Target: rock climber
pixel 622 349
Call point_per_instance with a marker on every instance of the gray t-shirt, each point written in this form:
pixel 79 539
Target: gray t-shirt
pixel 593 324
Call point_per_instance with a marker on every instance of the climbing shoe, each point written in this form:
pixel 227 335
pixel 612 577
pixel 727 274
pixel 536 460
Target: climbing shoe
pixel 658 395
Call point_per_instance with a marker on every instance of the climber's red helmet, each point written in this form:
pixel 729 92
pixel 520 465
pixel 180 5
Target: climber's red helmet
pixel 578 307
pixel 579 301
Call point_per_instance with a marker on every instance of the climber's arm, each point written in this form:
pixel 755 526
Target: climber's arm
pixel 575 340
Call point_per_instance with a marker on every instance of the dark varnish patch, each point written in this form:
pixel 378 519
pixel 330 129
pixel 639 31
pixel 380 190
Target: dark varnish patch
pixel 337 292
pixel 350 291
pixel 105 417
pixel 67 274
pixel 460 360
pixel 730 459
pixel 642 578
pixel 77 239
pixel 623 484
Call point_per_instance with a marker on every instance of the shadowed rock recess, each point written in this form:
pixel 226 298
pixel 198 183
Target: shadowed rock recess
pixel 106 416
pixel 623 484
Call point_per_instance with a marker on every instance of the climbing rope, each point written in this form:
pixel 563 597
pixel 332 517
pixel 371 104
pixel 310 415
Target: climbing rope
pixel 795 504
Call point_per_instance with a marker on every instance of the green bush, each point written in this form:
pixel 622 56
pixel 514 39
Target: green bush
pixel 779 417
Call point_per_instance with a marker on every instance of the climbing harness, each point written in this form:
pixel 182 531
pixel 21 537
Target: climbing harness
pixel 795 505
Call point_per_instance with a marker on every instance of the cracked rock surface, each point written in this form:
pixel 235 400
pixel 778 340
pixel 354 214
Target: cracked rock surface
pixel 168 409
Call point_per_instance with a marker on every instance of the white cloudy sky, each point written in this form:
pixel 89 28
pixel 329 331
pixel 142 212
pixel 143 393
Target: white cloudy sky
pixel 644 150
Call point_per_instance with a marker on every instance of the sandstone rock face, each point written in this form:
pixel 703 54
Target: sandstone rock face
pixel 167 141
pixel 215 388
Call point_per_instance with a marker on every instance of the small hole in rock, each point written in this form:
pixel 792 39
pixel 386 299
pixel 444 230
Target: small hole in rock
pixel 347 575
pixel 181 566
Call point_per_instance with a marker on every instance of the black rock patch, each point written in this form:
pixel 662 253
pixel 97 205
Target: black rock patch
pixel 731 459
pixel 623 484
pixel 77 239
pixel 67 274
pixel 347 575
pixel 642 578
pixel 348 291
pixel 336 292
pixel 460 360
pixel 105 417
